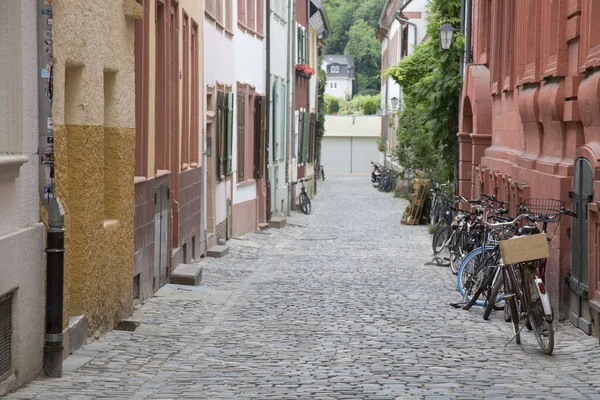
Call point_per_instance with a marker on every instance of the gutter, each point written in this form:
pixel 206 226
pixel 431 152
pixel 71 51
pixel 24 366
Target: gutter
pixel 55 240
pixel 405 21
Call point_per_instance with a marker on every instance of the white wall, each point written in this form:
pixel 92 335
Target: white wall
pixel 342 87
pixel 219 67
pixel 353 125
pixel 21 234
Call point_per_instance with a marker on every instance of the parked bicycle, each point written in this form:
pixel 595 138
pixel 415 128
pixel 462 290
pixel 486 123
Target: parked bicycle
pixel 303 198
pixel 519 284
pixel 321 172
pixel 387 181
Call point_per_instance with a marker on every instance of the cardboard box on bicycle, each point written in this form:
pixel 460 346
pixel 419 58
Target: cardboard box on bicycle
pixel 524 248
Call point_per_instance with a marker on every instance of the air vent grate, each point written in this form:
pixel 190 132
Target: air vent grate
pixel 5 333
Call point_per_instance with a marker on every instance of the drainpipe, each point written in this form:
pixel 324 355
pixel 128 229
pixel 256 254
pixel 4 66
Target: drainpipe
pixel 291 125
pixel 53 346
pixel 405 21
pixel 386 129
pixel 267 154
pixel 468 55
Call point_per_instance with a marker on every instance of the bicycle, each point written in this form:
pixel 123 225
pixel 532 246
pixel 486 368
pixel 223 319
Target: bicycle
pixel 321 172
pixel 303 198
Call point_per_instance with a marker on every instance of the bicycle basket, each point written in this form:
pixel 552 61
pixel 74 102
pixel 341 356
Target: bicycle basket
pixel 544 210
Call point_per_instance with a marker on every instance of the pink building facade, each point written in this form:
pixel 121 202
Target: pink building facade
pixel 530 127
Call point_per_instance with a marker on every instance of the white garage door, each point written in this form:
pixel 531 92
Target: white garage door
pixel 348 155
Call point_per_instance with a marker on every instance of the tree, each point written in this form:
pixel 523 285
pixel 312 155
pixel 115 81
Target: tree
pixel 370 107
pixel 334 105
pixel 322 111
pixel 366 50
pixel 344 15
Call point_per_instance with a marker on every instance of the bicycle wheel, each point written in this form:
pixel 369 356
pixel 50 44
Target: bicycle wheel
pixel 305 203
pixel 542 327
pixel 322 173
pixel 513 311
pixel 482 282
pixel 467 276
pixel 495 296
pixel 441 238
pixel 458 252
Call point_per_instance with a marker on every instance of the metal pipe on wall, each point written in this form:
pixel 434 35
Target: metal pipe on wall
pixel 267 106
pixel 292 114
pixel 53 346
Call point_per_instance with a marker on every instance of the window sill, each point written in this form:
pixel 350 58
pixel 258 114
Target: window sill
pixel 10 165
pixel 219 26
pixel 228 33
pixel 248 182
pixel 208 15
pixel 162 172
pixel 139 179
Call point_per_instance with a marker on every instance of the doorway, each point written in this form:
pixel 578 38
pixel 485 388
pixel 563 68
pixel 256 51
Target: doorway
pixel 161 232
pixel 582 195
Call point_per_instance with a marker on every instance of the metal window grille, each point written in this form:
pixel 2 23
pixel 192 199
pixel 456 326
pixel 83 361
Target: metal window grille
pixel 5 333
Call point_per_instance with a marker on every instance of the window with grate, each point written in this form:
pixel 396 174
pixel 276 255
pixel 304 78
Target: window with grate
pixel 5 333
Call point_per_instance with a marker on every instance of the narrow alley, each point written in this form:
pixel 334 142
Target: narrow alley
pixel 341 304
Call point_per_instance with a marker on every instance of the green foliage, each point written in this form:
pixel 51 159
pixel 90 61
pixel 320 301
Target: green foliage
pixel 370 107
pixel 322 111
pixel 353 25
pixel 366 50
pixel 354 106
pixel 430 79
pixel 333 104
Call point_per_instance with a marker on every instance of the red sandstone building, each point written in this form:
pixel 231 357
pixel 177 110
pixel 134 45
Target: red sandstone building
pixel 530 127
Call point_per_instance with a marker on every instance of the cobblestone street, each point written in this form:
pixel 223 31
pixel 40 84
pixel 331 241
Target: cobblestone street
pixel 341 304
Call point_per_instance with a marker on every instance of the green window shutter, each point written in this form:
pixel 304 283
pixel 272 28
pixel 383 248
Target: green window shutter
pixel 306 135
pixel 282 117
pixel 229 132
pixel 275 122
pixel 300 137
pixel 219 134
pixel 299 45
pixel 241 132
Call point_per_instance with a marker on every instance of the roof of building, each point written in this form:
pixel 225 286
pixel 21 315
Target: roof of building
pixel 339 59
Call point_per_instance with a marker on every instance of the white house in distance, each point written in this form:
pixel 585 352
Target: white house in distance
pixel 341 75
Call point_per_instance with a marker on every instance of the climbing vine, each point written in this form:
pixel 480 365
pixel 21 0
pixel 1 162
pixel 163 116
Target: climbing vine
pixel 431 83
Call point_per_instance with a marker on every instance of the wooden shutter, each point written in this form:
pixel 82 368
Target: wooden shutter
pixel 282 121
pixel 219 134
pixel 229 133
pixel 257 136
pixel 306 134
pixel 311 138
pixel 241 132
pixel 300 137
pixel 275 122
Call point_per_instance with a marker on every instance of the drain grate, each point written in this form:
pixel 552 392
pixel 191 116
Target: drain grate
pixel 5 333
pixel 186 288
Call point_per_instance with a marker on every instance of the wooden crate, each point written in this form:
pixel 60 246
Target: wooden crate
pixel 413 212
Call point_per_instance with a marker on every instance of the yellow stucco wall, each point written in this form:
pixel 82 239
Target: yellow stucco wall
pixel 94 119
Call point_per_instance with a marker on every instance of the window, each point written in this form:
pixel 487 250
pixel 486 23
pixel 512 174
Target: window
pixel 186 128
pixel 224 133
pixel 241 133
pixel 142 47
pixel 302 45
pixel 260 136
pixel 195 97
pixel 250 22
pixel 335 69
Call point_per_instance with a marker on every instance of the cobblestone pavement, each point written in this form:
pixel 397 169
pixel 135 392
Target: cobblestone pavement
pixel 342 304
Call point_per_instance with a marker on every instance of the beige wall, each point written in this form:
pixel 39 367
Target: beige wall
pixel 94 118
pixel 353 125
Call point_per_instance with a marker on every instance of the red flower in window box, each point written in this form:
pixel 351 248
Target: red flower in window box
pixel 305 70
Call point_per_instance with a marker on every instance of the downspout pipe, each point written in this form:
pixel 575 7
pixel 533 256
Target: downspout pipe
pixel 291 82
pixel 405 21
pixel 386 128
pixel 267 105
pixel 53 341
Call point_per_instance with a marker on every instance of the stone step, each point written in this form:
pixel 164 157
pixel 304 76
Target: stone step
pixel 187 274
pixel 218 251
pixel 277 222
pixel 263 226
pixel 77 332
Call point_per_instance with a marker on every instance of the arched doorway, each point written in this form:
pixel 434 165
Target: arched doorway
pixel 582 195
